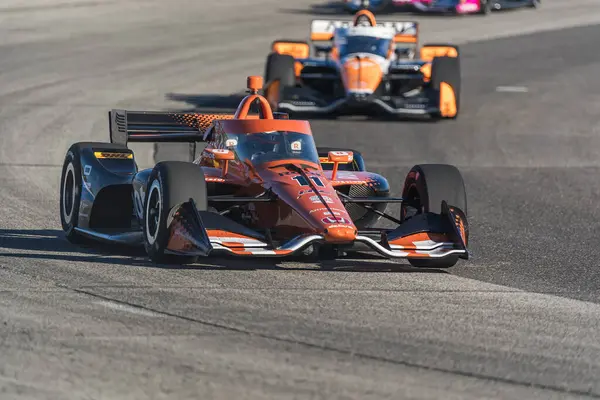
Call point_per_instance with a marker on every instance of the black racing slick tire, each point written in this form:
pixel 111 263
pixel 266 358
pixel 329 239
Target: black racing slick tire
pixel 280 66
pixel 425 187
pixel 485 7
pixel 535 3
pixel 71 186
pixel 447 69
pixel 170 183
pixel 70 194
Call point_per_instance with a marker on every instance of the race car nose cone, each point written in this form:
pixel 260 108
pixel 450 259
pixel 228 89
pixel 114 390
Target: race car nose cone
pixel 340 234
pixel 361 75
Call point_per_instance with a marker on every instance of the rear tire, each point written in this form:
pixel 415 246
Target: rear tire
pixel 280 66
pixel 535 3
pixel 425 187
pixel 169 184
pixel 447 69
pixel 70 194
pixel 71 187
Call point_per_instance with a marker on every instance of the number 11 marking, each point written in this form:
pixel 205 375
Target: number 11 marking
pixel 302 180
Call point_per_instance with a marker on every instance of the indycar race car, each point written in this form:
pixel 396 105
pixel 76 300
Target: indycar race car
pixel 451 6
pixel 472 6
pixel 364 67
pixel 260 188
pixel 354 6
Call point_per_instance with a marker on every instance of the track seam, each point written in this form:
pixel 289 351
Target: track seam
pixel 344 352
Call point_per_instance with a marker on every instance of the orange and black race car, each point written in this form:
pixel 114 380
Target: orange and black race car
pixel 364 67
pixel 260 188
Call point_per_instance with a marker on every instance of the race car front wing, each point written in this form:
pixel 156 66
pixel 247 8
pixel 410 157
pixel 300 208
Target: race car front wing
pixel 423 236
pixel 306 100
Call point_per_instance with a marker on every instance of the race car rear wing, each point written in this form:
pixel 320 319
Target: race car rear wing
pixel 323 30
pixel 160 126
pixel 151 126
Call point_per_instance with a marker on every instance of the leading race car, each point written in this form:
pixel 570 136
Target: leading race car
pixel 259 188
pixel 450 6
pixel 363 67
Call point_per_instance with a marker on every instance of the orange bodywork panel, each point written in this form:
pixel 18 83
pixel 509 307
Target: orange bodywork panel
pixel 363 74
pixel 428 53
pixel 321 36
pixel 448 105
pixel 264 125
pixel 426 71
pixel 298 68
pixel 401 38
pixel 408 242
pixel 294 49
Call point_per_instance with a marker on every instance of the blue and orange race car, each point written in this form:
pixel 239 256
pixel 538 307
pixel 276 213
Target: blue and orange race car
pixel 364 67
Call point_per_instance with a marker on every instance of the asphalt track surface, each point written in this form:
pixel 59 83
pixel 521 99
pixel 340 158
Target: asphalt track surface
pixel 520 320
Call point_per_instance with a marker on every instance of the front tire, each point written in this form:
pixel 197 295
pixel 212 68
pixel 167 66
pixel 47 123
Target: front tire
pixel 485 7
pixel 280 66
pixel 169 184
pixel 425 187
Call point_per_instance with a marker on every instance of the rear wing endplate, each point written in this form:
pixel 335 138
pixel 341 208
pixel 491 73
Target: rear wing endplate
pixel 323 30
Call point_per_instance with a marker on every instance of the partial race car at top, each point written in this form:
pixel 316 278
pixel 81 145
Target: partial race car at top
pixel 260 188
pixel 449 6
pixel 364 67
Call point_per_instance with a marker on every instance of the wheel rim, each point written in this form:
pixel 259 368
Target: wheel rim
pixel 153 212
pixel 69 193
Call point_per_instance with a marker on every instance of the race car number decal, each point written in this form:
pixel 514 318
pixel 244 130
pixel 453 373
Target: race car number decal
pixel 333 220
pixel 303 182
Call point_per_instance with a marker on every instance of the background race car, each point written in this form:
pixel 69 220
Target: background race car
pixel 451 6
pixel 354 6
pixel 364 67
pixel 472 6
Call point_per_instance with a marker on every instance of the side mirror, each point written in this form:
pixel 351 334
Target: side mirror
pixel 225 156
pixel 343 157
pixel 339 157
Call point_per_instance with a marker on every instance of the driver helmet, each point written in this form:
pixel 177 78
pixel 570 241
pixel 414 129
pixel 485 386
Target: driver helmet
pixel 364 18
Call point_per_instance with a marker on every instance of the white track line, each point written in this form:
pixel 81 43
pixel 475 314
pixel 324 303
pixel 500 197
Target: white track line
pixel 512 89
pixel 126 308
